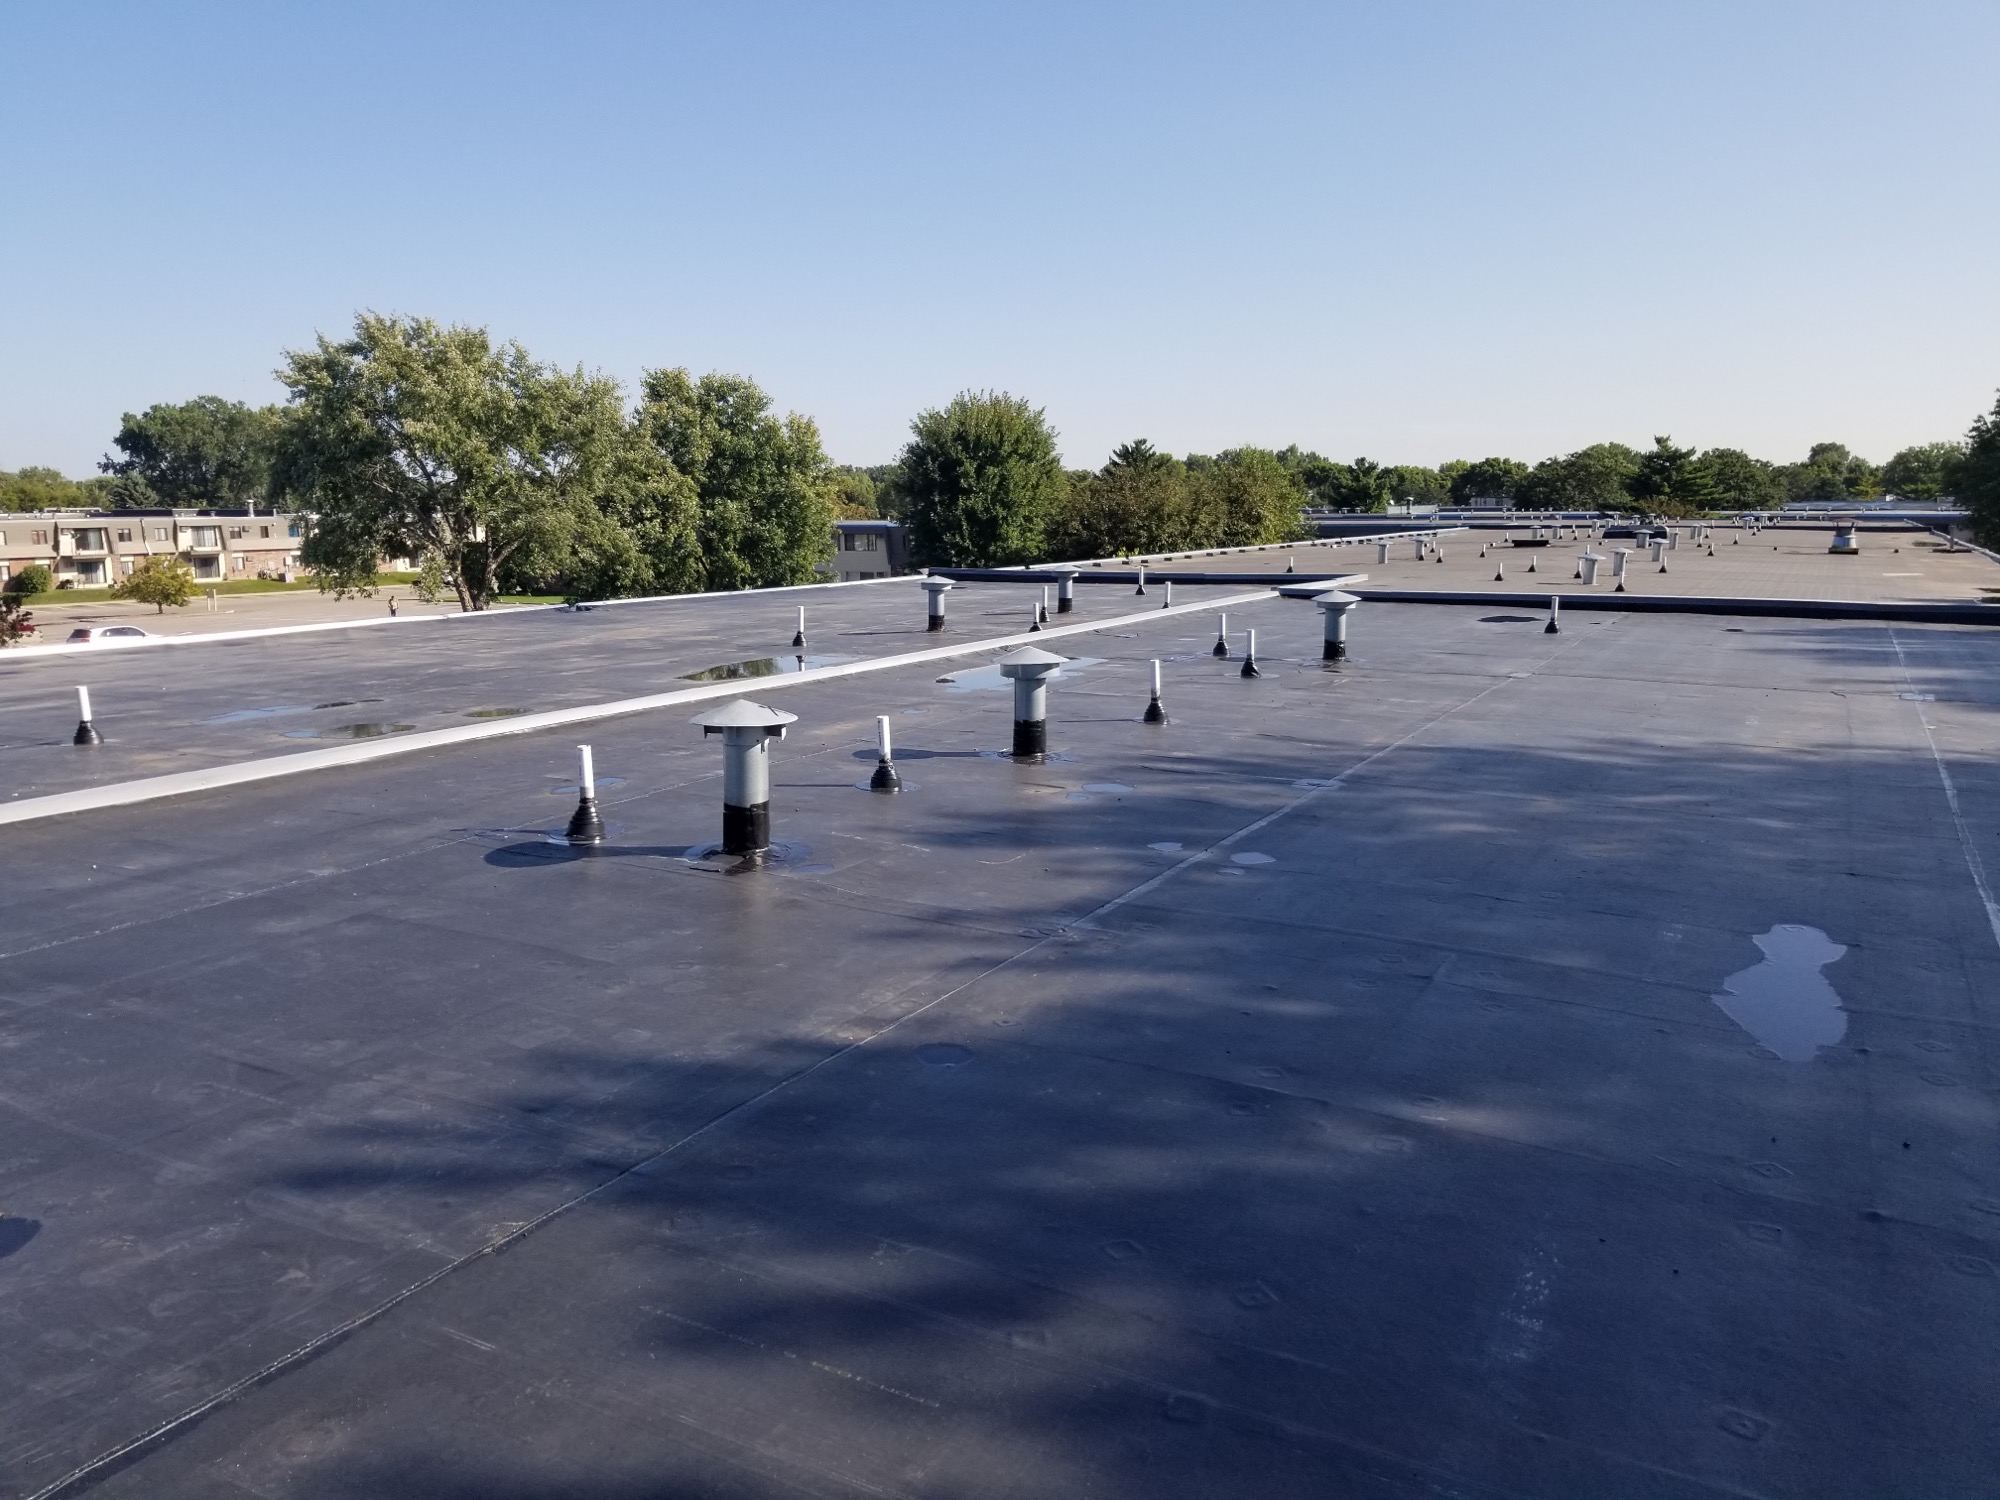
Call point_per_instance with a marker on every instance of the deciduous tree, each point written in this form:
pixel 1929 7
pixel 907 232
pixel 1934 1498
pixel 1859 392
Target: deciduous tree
pixel 207 451
pixel 412 439
pixel 159 580
pixel 980 480
pixel 1975 477
pixel 1921 473
pixel 758 492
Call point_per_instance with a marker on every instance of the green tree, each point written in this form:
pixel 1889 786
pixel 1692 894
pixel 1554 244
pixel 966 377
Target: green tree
pixel 1921 473
pixel 1739 482
pixel 1244 498
pixel 32 580
pixel 1830 475
pixel 1363 485
pixel 762 489
pixel 1489 479
pixel 411 439
pixel 1138 502
pixel 1975 477
pixel 207 451
pixel 854 494
pixel 37 488
pixel 1412 484
pixel 980 480
pixel 1593 478
pixel 1320 477
pixel 1670 482
pixel 159 580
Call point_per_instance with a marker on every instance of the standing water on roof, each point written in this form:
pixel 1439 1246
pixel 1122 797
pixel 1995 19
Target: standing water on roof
pixel 1785 1001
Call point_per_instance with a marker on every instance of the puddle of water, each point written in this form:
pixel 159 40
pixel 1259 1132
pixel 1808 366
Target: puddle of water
pixel 1785 1001
pixel 345 703
pixel 762 666
pixel 1166 846
pixel 1252 859
pixel 348 732
pixel 493 713
pixel 989 680
pixel 241 714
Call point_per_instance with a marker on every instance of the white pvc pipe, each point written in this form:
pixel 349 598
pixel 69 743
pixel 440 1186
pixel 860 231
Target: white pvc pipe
pixel 83 704
pixel 1250 651
pixel 882 735
pixel 586 780
pixel 1156 680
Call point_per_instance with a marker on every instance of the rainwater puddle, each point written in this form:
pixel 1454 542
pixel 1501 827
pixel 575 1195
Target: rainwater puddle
pixel 242 714
pixel 493 713
pixel 349 732
pixel 1166 846
pixel 989 680
pixel 1785 1001
pixel 1252 859
pixel 762 666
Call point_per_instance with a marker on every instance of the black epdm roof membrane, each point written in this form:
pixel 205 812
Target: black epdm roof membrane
pixel 1509 1064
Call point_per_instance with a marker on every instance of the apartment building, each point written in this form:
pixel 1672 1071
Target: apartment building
pixel 867 549
pixel 94 548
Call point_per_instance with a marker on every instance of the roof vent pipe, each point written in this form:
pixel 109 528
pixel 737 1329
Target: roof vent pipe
pixel 1221 651
pixel 1555 608
pixel 1042 618
pixel 1030 670
pixel 585 826
pixel 1587 566
pixel 1154 713
pixel 1142 580
pixel 1336 607
pixel 1250 655
pixel 885 778
pixel 86 731
pixel 1168 603
pixel 1066 591
pixel 747 730
pixel 799 637
pixel 934 590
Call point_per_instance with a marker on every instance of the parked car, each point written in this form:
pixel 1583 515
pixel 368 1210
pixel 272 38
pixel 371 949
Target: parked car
pixel 109 635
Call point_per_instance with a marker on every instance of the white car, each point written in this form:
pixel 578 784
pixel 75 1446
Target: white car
pixel 109 635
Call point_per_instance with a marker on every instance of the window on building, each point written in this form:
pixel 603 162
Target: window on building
pixel 872 543
pixel 124 533
pixel 293 529
pixel 129 563
pixel 236 562
pixel 263 531
pixel 159 533
pixel 38 539
pixel 236 533
pixel 847 541
pixel 89 539
pixel 206 536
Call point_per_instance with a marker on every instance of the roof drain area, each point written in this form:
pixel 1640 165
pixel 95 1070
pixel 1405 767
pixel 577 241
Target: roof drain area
pixel 1785 1001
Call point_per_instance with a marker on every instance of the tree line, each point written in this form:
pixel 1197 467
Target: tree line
pixel 498 473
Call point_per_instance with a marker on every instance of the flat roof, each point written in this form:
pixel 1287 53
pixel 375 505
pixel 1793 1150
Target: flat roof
pixel 1499 1064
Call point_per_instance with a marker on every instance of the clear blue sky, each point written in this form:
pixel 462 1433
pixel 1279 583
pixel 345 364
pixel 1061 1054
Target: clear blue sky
pixel 1406 229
